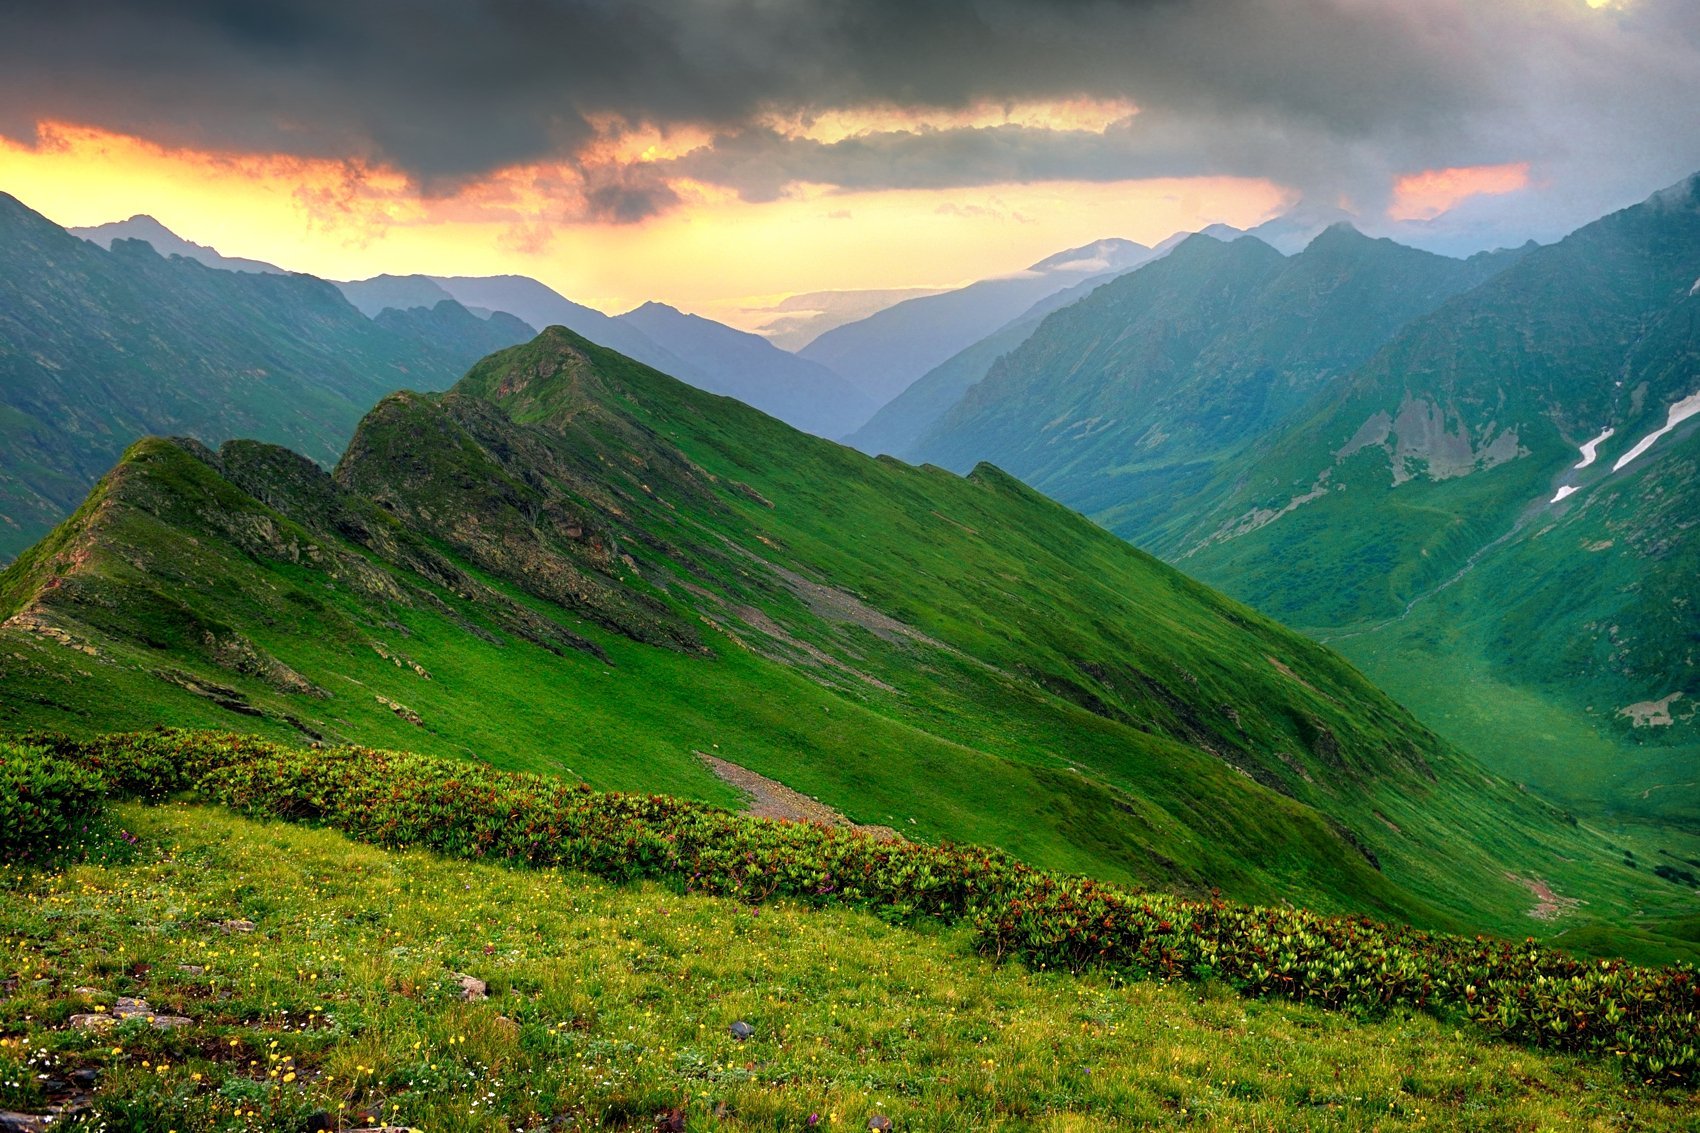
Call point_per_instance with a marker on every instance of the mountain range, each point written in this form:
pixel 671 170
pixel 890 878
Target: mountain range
pixel 883 354
pixel 1408 456
pixel 100 346
pixel 573 563
pixel 708 354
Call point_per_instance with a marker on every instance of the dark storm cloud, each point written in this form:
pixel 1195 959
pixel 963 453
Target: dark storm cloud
pixel 448 88
pixel 1329 96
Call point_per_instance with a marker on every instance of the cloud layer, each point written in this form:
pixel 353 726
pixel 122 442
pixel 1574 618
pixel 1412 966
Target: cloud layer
pixel 1333 98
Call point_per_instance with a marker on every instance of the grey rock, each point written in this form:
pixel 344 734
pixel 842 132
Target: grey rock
pixel 92 1022
pixel 741 1030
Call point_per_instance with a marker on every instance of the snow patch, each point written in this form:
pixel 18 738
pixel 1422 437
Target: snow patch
pixel 1679 412
pixel 1562 492
pixel 1695 288
pixel 1591 449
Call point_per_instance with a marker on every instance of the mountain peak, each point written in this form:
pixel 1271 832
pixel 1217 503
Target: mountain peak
pixel 656 307
pixel 1099 256
pixel 144 227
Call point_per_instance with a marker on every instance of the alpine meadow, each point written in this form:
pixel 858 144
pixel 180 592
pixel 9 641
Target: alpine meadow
pixel 978 565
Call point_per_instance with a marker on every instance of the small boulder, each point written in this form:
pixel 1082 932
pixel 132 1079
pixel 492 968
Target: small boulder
pixel 741 1030
pixel 131 1008
pixel 471 987
pixel 85 1078
pixel 879 1121
pixel 506 1027
pixel 22 1123
pixel 93 1022
pixel 191 969
pixel 236 925
pixel 169 1022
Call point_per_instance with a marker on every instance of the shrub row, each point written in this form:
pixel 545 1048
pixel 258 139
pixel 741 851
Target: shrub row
pixel 46 803
pixel 1649 1018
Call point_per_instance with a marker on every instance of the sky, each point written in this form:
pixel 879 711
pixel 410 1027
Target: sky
pixel 721 154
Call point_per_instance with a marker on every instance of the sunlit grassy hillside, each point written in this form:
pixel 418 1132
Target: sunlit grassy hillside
pixel 609 1006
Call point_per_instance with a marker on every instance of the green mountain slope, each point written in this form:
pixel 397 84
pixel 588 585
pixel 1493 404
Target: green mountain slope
pixel 1125 404
pixel 906 419
pixel 98 347
pixel 573 563
pixel 1439 512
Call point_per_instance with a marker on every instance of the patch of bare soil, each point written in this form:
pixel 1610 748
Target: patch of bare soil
pixel 769 798
pixel 1651 713
pixel 835 605
pixel 1548 905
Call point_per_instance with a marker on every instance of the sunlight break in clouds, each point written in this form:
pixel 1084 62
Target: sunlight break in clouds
pixel 1425 195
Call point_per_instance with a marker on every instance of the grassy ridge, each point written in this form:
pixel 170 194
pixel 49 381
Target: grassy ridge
pixel 573 564
pixel 1645 1018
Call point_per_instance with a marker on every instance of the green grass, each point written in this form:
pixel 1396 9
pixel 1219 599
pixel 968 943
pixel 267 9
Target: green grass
pixel 611 1004
pixel 1050 691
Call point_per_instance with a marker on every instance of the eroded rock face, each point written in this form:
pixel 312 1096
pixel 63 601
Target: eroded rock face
pixel 1430 441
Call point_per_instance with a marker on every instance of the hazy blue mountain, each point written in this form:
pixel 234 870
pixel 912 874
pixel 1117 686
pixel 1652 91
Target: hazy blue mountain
pixel 901 423
pixel 753 370
pixel 542 306
pixel 168 243
pixel 455 331
pixel 797 320
pixel 400 292
pixel 887 351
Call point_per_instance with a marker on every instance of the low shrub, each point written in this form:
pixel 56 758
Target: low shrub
pixel 1649 1018
pixel 47 803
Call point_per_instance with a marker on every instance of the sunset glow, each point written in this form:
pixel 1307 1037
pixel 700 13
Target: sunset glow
pixel 712 254
pixel 1425 195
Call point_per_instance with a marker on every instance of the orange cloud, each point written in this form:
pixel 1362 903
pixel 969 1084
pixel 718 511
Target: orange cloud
pixel 346 220
pixel 1425 195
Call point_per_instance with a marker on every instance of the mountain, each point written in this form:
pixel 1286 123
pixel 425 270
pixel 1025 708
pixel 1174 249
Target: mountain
pixel 753 370
pixel 797 320
pixel 885 352
pixel 453 331
pixel 1492 515
pixel 1126 403
pixel 542 306
pixel 168 243
pixel 901 423
pixel 572 563
pixel 1292 231
pixel 100 347
pixel 398 292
